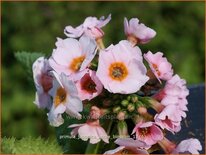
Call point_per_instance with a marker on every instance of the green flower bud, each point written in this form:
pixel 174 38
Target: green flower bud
pixel 134 98
pixel 122 128
pixel 124 103
pixel 129 98
pixel 131 107
pixel 116 109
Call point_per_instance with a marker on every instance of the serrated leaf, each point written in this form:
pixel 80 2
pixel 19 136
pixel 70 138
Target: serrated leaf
pixel 27 59
pixel 30 145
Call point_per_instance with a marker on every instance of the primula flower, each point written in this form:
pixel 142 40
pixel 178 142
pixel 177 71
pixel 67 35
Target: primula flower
pixel 148 132
pixel 128 146
pixel 188 146
pixel 43 82
pixel 159 65
pixel 136 32
pixel 72 55
pixel 91 129
pixel 65 99
pixel 91 27
pixel 165 120
pixel 191 146
pixel 88 84
pixel 120 68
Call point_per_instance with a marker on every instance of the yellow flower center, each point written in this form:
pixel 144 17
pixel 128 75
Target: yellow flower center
pixel 76 63
pixel 118 71
pixel 156 69
pixel 144 131
pixel 60 96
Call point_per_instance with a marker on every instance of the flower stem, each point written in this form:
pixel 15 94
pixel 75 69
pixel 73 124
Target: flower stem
pixel 100 43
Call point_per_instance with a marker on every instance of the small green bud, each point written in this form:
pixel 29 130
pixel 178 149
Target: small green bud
pixel 122 128
pixel 129 98
pixel 134 98
pixel 124 103
pixel 116 109
pixel 131 107
pixel 116 102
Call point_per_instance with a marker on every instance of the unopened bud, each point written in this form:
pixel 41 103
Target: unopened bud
pixel 128 98
pixel 124 103
pixel 142 110
pixel 121 115
pixel 134 98
pixel 131 107
pixel 122 128
pixel 116 109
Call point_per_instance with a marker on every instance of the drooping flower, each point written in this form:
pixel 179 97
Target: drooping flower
pixel 148 132
pixel 72 55
pixel 128 146
pixel 165 121
pixel 136 32
pixel 191 146
pixel 159 65
pixel 88 84
pixel 65 99
pixel 90 27
pixel 121 69
pixel 43 82
pixel 188 146
pixel 173 99
pixel 91 129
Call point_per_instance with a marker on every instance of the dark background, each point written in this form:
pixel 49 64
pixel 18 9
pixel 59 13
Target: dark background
pixel 34 26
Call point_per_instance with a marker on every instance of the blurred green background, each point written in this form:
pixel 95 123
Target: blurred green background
pixel 34 26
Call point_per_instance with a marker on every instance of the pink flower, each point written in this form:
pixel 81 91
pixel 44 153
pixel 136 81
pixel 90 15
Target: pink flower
pixel 159 65
pixel 148 132
pixel 128 145
pixel 173 98
pixel 140 32
pixel 65 99
pixel 91 129
pixel 121 69
pixel 88 84
pixel 72 55
pixel 91 27
pixel 166 122
pixel 191 145
pixel 188 146
pixel 43 82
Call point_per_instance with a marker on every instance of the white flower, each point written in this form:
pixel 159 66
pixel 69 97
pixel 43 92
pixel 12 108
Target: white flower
pixel 65 99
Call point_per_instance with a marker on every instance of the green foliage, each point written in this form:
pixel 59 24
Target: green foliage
pixel 27 59
pixel 30 145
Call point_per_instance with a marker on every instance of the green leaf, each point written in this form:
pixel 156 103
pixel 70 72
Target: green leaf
pixel 27 59
pixel 30 145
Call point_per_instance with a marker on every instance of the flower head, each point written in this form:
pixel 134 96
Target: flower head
pixel 136 32
pixel 88 84
pixel 188 146
pixel 159 65
pixel 91 129
pixel 121 69
pixel 72 55
pixel 90 27
pixel 148 132
pixel 65 99
pixel 43 82
pixel 129 146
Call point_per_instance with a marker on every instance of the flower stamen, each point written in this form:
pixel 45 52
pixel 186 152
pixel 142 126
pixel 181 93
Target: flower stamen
pixel 118 71
pixel 76 63
pixel 60 96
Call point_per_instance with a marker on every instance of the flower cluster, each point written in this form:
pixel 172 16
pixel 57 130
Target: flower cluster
pixel 82 75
